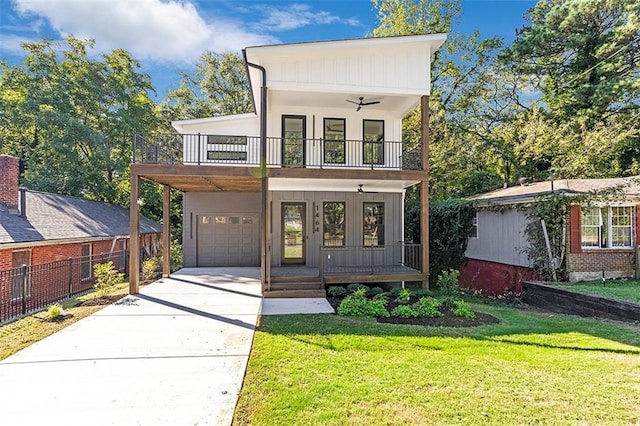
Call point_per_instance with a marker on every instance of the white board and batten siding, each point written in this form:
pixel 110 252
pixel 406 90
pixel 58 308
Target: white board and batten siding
pixel 501 238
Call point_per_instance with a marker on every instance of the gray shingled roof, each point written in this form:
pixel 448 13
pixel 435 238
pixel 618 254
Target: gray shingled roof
pixel 629 187
pixel 60 217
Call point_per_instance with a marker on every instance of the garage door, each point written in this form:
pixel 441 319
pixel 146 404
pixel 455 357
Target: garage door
pixel 228 240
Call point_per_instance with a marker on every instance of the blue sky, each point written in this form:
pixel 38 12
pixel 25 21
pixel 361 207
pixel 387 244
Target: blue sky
pixel 168 36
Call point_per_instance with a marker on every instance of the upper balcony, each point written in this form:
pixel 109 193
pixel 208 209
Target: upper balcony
pixel 244 151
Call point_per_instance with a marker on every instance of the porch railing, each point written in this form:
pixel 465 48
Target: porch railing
pixel 30 288
pixel 370 260
pixel 173 148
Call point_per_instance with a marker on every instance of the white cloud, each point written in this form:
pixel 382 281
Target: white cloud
pixel 12 44
pixel 300 15
pixel 166 31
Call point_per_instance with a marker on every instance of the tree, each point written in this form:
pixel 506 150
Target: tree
pixel 76 115
pixel 219 86
pixel 586 54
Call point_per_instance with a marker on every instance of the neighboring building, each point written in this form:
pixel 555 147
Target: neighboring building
pixel 601 235
pixel 322 164
pixel 39 227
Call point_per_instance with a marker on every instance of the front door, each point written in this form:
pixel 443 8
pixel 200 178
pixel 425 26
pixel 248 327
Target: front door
pixel 293 140
pixel 293 233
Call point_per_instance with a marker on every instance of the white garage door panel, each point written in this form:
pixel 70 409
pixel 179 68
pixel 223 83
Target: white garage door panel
pixel 228 239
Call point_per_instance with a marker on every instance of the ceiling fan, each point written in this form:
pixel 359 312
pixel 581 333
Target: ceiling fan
pixel 362 102
pixel 362 191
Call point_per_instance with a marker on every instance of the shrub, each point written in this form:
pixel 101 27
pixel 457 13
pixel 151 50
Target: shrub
pixel 337 291
pixel 462 309
pixel 422 293
pixel 381 296
pixel 357 305
pixel 403 296
pixel 448 283
pixel 106 276
pixel 374 291
pixel 449 302
pixel 150 267
pixel 55 311
pixel 351 288
pixel 427 307
pixel 175 256
pixel 395 292
pixel 404 311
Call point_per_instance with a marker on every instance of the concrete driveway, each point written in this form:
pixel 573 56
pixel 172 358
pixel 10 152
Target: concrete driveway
pixel 175 354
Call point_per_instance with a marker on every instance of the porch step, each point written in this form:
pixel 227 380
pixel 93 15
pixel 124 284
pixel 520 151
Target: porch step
pixel 295 293
pixel 297 285
pixel 292 279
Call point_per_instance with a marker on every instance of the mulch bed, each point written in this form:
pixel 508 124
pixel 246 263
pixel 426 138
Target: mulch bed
pixel 447 320
pixel 101 301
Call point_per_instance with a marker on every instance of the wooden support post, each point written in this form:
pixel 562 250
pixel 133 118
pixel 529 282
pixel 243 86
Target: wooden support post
pixel 424 189
pixel 166 230
pixel 134 236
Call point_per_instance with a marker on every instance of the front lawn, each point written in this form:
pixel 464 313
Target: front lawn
pixel 617 289
pixel 532 367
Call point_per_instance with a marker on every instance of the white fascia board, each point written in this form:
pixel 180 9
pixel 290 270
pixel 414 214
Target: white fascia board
pixel 340 185
pixel 180 125
pixel 434 40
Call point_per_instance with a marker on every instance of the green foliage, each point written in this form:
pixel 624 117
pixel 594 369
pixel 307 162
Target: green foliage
pixel 404 311
pixel 219 86
pixel 450 223
pixel 69 116
pixel 427 307
pixel 448 283
pixel 106 276
pixel 462 309
pixel 176 255
pixel 403 295
pixel 351 288
pixel 337 291
pixel 56 310
pixel 374 291
pixel 395 291
pixel 150 268
pixel 422 292
pixel 554 210
pixel 358 305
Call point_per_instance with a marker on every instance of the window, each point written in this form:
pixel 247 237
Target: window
pixel 606 227
pixel 20 258
pixel 227 140
pixel 373 224
pixel 333 224
pixel 373 145
pixel 334 140
pixel 221 220
pixel 86 262
pixel 227 155
pixel 474 226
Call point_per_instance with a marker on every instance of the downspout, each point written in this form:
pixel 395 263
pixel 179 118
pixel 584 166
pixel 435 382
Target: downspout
pixel 264 237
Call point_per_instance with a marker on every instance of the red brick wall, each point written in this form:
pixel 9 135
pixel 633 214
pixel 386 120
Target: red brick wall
pixel 609 260
pixel 493 279
pixel 9 169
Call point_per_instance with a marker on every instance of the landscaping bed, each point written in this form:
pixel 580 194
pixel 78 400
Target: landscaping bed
pixel 404 306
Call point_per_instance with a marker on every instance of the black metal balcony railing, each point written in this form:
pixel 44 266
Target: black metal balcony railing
pixel 370 260
pixel 168 148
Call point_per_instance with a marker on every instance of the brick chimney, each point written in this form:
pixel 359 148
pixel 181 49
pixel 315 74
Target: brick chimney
pixel 9 170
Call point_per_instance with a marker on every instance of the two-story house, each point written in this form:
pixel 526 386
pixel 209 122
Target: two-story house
pixel 310 187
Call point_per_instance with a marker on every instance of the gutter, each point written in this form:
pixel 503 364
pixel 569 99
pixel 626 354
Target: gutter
pixel 264 265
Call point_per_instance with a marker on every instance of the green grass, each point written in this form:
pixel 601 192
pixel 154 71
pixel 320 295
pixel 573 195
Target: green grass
pixel 28 330
pixel 532 368
pixel 618 289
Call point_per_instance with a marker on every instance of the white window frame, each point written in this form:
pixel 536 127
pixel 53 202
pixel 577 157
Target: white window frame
pixel 609 226
pixel 474 226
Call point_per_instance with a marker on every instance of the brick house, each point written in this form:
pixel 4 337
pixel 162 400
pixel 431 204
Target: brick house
pixel 601 237
pixel 39 227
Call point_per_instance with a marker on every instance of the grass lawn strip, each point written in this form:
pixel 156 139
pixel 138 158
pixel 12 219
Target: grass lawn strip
pixel 531 368
pixel 618 289
pixel 28 330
